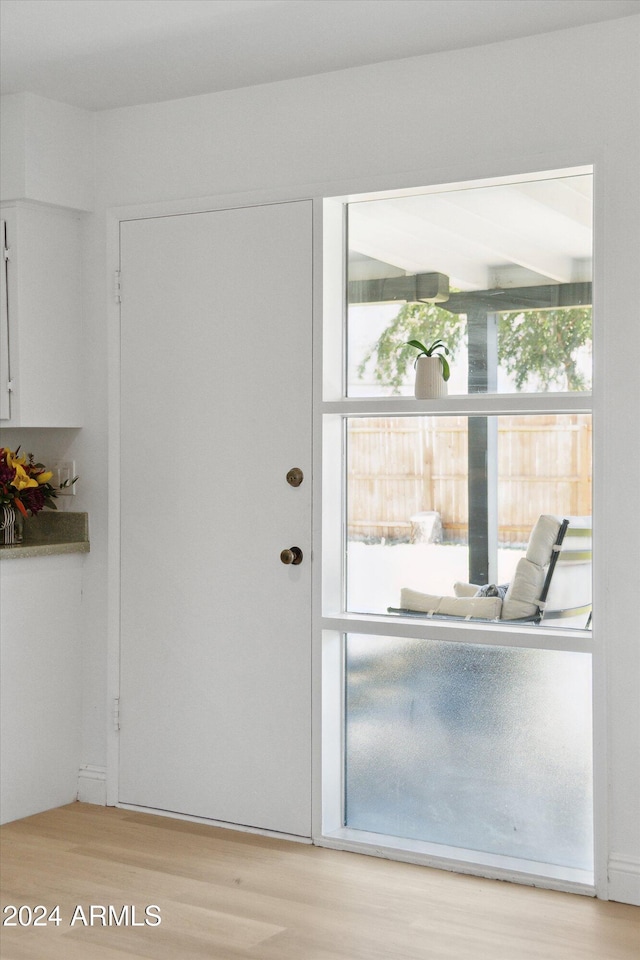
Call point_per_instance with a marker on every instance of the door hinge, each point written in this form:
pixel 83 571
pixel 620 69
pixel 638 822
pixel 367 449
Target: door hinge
pixel 116 713
pixel 6 253
pixel 117 288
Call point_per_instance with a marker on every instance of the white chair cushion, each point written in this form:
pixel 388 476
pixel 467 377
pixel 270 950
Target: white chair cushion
pixel 462 589
pixel 542 538
pixel 521 599
pixel 487 608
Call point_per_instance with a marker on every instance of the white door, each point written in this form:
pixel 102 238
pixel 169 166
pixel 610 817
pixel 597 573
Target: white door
pixel 216 408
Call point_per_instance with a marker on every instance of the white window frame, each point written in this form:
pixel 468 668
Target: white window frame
pixel 334 622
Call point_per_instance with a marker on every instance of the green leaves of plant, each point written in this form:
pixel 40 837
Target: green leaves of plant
pixel 446 371
pixel 419 346
pixel 434 350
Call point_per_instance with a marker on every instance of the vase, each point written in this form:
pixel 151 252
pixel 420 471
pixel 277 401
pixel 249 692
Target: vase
pixel 430 384
pixel 10 525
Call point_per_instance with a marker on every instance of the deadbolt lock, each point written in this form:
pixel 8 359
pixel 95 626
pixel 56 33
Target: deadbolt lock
pixel 293 555
pixel 295 477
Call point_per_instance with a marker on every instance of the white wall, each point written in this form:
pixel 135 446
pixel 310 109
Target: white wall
pixel 47 152
pixel 474 109
pixel 539 103
pixel 12 148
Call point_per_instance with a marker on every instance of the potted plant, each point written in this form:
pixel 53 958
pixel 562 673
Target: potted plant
pixel 432 369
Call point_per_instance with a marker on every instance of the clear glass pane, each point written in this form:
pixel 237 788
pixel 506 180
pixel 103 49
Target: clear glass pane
pixel 437 501
pixel 485 748
pixel 502 274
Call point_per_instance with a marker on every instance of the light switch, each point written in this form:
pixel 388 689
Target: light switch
pixel 63 473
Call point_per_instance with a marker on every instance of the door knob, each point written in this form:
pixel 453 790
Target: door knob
pixel 293 555
pixel 295 476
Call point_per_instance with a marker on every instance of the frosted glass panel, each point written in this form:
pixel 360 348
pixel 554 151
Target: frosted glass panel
pixel 486 748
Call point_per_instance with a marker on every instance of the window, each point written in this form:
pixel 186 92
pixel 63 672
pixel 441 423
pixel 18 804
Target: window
pixel 435 501
pixel 501 274
pixel 457 531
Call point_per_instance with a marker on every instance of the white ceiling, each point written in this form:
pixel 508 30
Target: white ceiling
pixel 100 54
pixel 528 233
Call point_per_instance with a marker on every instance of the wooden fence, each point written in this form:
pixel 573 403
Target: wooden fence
pixel 398 467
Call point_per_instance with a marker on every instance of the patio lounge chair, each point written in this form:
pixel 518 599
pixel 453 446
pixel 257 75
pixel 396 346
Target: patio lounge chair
pixel 552 583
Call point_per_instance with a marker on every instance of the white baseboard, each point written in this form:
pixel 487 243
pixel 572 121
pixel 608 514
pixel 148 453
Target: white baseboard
pixel 92 785
pixel 624 879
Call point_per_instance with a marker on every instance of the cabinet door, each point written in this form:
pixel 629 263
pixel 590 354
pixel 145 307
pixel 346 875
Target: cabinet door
pixel 216 408
pixel 40 683
pixel 44 281
pixel 5 396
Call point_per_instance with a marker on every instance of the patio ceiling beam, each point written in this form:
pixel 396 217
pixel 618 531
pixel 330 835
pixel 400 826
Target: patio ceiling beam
pixel 416 288
pixel 512 228
pixel 569 198
pixel 521 298
pixel 408 242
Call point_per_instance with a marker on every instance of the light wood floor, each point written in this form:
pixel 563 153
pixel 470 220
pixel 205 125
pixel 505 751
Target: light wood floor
pixel 233 896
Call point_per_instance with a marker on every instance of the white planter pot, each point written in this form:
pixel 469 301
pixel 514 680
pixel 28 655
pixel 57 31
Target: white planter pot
pixel 430 384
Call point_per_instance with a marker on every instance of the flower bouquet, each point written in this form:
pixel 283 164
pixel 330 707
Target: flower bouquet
pixel 25 489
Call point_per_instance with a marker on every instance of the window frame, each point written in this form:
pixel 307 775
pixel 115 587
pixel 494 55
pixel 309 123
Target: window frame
pixel 335 622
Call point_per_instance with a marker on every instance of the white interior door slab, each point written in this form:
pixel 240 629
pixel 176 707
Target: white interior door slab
pixel 216 408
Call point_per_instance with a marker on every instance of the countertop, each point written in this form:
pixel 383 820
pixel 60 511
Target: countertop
pixel 49 533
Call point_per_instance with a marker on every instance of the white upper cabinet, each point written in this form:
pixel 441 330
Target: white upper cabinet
pixel 42 317
pixel 5 406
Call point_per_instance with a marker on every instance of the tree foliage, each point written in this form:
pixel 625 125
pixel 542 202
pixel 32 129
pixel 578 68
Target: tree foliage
pixel 541 346
pixel 535 347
